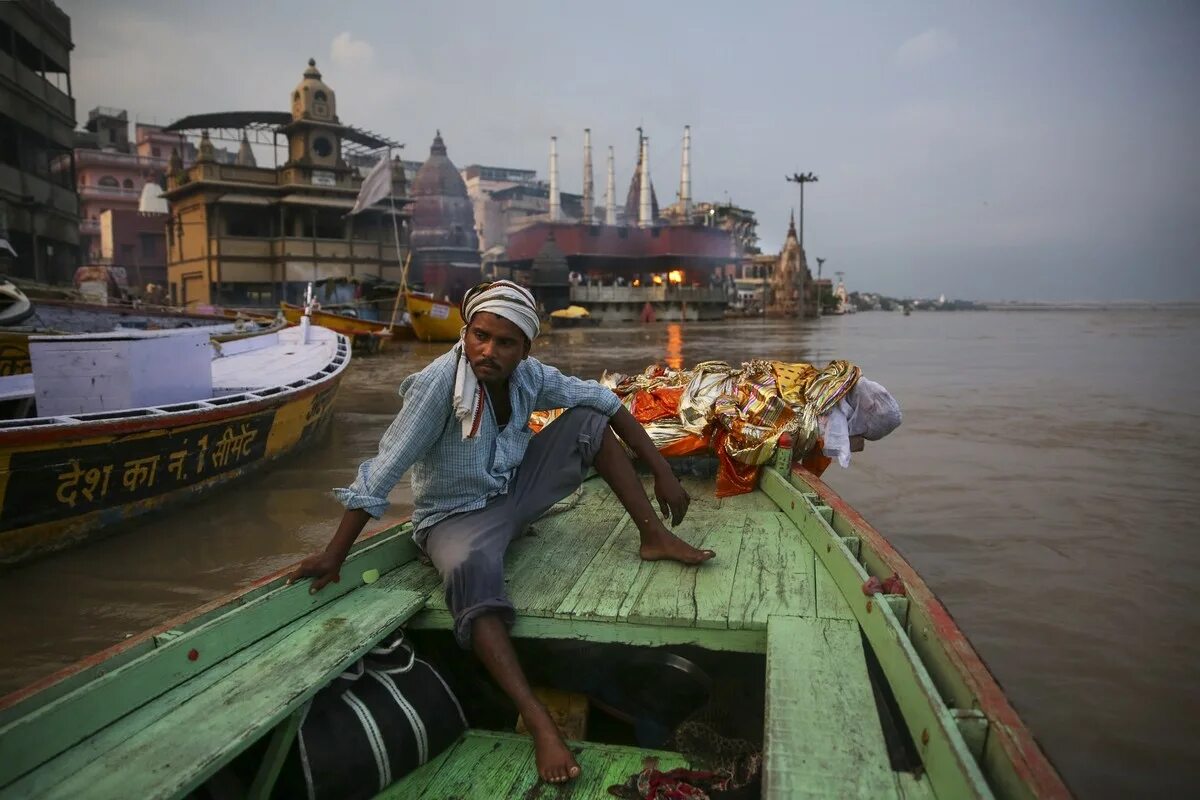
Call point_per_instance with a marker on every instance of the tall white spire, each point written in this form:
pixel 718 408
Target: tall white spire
pixel 555 201
pixel 588 201
pixel 685 176
pixel 610 196
pixel 645 210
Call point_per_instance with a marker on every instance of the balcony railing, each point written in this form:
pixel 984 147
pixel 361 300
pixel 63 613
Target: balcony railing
pixel 109 193
pixel 101 158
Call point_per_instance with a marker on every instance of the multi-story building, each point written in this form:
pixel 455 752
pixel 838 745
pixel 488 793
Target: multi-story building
pixel 112 171
pixel 244 235
pixel 39 209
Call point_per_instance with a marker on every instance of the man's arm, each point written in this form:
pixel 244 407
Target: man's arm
pixel 671 496
pixel 412 433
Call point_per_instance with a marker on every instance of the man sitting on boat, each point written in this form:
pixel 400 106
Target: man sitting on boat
pixel 480 477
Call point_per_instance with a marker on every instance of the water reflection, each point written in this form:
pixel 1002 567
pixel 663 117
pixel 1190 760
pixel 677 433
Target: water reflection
pixel 674 345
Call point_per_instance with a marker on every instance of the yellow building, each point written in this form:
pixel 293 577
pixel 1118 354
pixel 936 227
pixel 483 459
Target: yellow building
pixel 244 235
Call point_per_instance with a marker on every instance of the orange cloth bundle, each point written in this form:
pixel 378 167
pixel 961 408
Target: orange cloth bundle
pixel 738 414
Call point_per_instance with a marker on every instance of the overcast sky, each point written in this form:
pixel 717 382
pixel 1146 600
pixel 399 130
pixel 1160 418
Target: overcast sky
pixel 1019 150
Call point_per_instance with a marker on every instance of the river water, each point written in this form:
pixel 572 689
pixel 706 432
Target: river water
pixel 1043 484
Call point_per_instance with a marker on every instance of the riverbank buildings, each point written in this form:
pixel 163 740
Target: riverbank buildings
pixel 245 235
pixel 39 207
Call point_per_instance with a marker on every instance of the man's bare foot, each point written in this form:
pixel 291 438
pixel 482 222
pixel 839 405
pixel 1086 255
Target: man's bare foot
pixel 555 764
pixel 666 546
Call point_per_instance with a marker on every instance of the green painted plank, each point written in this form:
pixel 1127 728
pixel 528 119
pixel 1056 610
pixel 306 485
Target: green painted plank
pixel 543 565
pixel 774 573
pixel 387 543
pixel 830 602
pixel 45 732
pixel 612 581
pixel 609 632
pixel 414 782
pixel 947 760
pixel 483 767
pixel 822 736
pixel 913 788
pixel 178 752
pixel 600 766
pixel 41 780
pixel 487 765
pixel 681 595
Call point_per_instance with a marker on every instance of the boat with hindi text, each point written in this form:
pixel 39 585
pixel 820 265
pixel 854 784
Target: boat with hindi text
pixel 110 426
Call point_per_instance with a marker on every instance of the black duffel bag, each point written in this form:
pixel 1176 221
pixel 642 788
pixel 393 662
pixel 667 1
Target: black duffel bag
pixel 378 721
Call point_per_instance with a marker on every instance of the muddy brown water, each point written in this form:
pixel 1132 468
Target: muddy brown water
pixel 1043 484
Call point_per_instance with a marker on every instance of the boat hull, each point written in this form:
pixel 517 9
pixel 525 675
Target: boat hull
pixel 59 487
pixel 367 334
pixel 434 320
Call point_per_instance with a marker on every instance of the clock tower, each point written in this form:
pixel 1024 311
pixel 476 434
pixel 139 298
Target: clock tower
pixel 314 135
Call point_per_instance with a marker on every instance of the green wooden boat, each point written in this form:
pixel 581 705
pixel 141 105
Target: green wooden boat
pixel 159 714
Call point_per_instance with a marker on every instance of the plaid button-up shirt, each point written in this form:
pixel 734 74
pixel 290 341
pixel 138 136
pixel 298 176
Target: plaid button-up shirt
pixel 451 475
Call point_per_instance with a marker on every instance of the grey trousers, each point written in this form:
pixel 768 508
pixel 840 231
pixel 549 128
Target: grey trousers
pixel 468 549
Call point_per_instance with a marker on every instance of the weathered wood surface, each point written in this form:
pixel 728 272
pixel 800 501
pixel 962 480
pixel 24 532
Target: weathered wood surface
pixel 498 766
pixel 582 566
pixel 947 760
pixel 822 732
pixel 51 724
pixel 185 744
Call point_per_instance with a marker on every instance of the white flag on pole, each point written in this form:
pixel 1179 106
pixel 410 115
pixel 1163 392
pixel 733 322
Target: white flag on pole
pixel 376 186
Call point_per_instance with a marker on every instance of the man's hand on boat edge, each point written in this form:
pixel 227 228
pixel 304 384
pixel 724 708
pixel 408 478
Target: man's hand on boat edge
pixel 325 567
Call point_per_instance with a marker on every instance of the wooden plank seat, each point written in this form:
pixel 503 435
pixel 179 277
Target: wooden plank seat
pixel 173 742
pixel 485 765
pixel 822 734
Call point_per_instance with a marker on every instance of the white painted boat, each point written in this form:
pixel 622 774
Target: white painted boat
pixel 112 425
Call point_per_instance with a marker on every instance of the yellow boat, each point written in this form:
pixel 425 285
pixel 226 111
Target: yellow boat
pixel 368 335
pixel 433 320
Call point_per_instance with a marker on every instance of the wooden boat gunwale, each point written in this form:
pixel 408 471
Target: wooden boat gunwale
pixel 1002 747
pixel 353 325
pixel 964 726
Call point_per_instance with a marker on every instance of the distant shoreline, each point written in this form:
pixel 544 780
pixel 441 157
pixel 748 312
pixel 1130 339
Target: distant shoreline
pixel 1116 305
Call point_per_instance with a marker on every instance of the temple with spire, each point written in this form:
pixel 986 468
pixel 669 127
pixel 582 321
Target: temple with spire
pixel 788 281
pixel 619 258
pixel 251 234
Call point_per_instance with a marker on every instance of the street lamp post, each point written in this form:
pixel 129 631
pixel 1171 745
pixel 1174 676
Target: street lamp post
pixel 820 266
pixel 801 178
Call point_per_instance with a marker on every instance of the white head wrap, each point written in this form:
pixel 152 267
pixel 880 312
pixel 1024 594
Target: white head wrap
pixel 504 299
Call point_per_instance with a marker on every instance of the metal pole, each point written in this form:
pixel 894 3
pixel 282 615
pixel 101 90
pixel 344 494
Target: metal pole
pixel 801 215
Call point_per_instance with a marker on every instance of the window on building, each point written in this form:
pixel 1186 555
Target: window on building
pixel 330 225
pixel 128 183
pixel 156 152
pixel 319 96
pixel 249 221
pixel 245 295
pixel 149 248
pixel 108 180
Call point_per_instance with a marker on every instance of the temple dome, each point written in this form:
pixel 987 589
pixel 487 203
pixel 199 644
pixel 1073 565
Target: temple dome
pixel 443 216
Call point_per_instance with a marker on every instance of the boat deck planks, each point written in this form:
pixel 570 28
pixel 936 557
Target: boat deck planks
pixel 582 565
pixel 484 765
pixel 175 742
pixel 822 732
